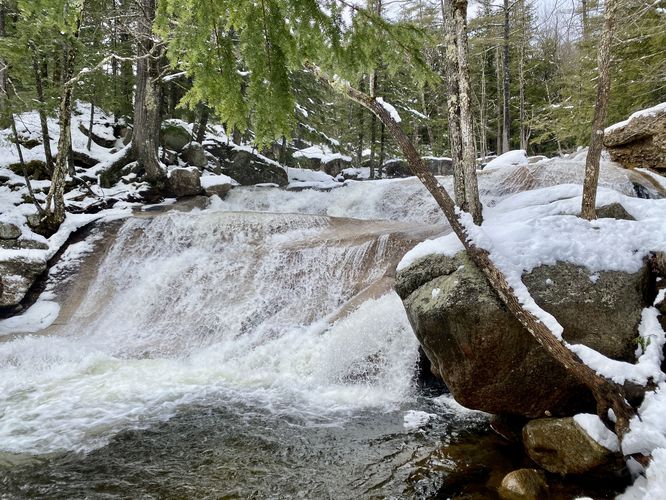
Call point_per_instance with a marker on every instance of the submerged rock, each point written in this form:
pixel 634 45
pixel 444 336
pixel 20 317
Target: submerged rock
pixel 483 354
pixel 524 484
pixel 561 446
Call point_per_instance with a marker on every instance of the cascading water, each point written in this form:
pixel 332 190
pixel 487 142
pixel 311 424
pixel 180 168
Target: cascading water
pixel 235 354
pixel 275 327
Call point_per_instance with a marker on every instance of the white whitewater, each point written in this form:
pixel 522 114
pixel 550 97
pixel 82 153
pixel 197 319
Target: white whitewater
pixel 215 306
pixel 279 309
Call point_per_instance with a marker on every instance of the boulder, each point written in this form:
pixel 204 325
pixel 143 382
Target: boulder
pixel 9 231
pixel 640 141
pixel 561 446
pixel 36 170
pixel 249 169
pixel 223 153
pixel 524 484
pixel 335 166
pixel 486 358
pixel 614 211
pixel 396 168
pixel 17 275
pixel 439 166
pixel 195 155
pixel 184 182
pixel 174 135
pixel 220 190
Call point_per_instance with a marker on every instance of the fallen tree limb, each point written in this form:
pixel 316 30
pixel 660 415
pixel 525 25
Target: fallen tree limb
pixel 608 395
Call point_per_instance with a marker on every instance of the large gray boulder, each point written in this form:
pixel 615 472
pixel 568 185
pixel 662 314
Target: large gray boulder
pixel 486 358
pixel 640 141
pixel 17 275
pixel 174 135
pixel 194 155
pixel 9 231
pixel 249 169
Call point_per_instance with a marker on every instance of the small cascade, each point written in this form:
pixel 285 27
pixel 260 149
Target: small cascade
pixel 268 309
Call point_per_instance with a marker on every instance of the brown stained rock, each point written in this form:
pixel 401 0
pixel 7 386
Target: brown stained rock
pixel 561 446
pixel 524 484
pixel 184 182
pixel 640 142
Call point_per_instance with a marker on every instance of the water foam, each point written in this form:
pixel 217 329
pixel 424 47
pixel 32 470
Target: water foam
pixel 212 307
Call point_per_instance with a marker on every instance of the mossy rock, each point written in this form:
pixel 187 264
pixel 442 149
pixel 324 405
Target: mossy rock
pixel 36 170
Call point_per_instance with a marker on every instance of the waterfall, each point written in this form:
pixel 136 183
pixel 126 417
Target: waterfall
pixel 281 310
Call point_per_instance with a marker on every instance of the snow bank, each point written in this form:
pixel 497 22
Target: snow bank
pixel 321 153
pixel 508 159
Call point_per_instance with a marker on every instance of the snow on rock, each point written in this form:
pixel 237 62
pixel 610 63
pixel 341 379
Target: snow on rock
pixel 390 109
pixel 653 484
pixel 508 159
pixel 643 113
pixel 596 429
pixel 40 315
pixel 322 153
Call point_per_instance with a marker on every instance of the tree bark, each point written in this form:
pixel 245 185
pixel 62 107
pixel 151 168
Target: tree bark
pixel 521 78
pixel 203 123
pixel 466 119
pixel 450 53
pixel 498 105
pixel 148 99
pixel 55 200
pixel 506 129
pixel 39 87
pixel 600 108
pixel 91 124
pixel 607 394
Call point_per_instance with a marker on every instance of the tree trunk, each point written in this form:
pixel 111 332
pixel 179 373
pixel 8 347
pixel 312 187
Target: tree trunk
pixel 55 200
pixel 203 123
pixel 521 78
pixel 453 104
pixel 601 106
pixel 361 116
pixel 24 170
pixel 3 67
pixel 498 105
pixel 607 394
pixel 483 114
pixel 382 148
pixel 148 99
pixel 586 23
pixel 91 124
pixel 466 119
pixel 506 129
pixel 39 87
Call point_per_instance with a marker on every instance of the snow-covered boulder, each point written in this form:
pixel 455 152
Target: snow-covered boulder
pixel 640 141
pixel 486 358
pixel 175 135
pixel 194 155
pixel 508 159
